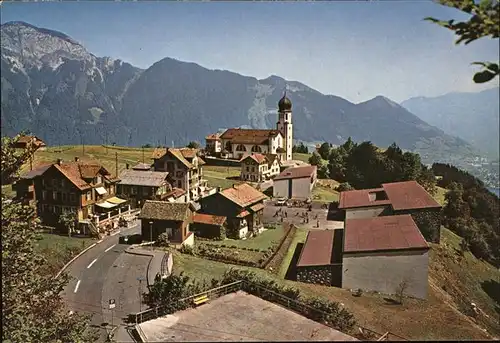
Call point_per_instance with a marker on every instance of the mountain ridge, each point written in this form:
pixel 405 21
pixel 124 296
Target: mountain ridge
pixel 66 95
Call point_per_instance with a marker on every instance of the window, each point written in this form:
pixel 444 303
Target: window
pixel 112 189
pixel 145 191
pixel 44 195
pixel 54 182
pixel 240 147
pixel 179 183
pixel 72 197
pixel 248 169
pixel 256 148
pixel 64 197
pixel 125 189
pixel 179 174
pixel 63 183
pixel 119 189
pixel 50 209
pixel 57 209
pixel 54 195
pixel 43 182
pixel 89 195
pixel 134 190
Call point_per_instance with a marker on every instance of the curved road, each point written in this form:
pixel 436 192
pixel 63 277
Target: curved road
pixel 106 272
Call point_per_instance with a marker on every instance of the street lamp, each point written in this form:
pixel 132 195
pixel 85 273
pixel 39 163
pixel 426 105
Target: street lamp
pixel 140 279
pixel 151 234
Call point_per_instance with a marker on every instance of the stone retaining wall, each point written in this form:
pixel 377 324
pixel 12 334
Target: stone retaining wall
pixel 321 275
pixel 428 222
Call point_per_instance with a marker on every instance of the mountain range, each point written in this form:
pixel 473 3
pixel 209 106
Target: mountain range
pixel 52 86
pixel 471 116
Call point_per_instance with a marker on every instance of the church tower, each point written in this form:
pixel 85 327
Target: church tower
pixel 285 126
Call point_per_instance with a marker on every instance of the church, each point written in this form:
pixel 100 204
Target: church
pixel 236 143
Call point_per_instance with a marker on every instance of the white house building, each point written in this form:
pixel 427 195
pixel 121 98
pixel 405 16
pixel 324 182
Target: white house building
pixel 235 143
pixel 295 183
pixel 259 167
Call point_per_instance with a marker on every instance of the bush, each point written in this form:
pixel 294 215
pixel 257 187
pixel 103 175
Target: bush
pixel 187 249
pixel 163 240
pixel 345 186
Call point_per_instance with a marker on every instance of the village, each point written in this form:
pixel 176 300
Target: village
pixel 368 240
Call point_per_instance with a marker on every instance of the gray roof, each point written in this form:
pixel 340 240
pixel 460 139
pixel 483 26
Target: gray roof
pixel 35 172
pixel 164 210
pixel 142 178
pixel 142 166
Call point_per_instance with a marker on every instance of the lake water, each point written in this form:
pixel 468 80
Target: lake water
pixel 495 191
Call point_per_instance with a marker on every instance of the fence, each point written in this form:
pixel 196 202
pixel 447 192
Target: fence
pixel 213 293
pixel 166 264
pixel 266 294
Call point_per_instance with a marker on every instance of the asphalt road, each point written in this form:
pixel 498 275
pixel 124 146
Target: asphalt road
pixel 106 272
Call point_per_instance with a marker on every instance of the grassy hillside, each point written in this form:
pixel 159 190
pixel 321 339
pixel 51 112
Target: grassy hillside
pixel 438 318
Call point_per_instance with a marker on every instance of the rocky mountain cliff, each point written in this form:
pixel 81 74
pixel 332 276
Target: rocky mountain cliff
pixel 54 87
pixel 471 116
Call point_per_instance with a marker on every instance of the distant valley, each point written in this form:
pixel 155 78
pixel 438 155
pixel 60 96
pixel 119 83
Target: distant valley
pixel 66 95
pixel 471 116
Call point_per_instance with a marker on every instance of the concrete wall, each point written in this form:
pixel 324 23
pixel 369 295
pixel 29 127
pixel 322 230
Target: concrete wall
pixel 365 212
pixel 321 275
pixel 383 272
pixel 301 188
pixel 212 161
pixel 280 189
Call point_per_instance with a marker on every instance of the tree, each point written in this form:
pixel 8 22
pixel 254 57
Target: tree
pixel 345 186
pixel 32 308
pixel 323 171
pixel 146 146
pixel 484 22
pixel 401 290
pixel 324 150
pixel 300 149
pixel 68 220
pixel 193 145
pixel 315 159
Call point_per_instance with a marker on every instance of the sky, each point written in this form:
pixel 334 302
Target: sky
pixel 353 49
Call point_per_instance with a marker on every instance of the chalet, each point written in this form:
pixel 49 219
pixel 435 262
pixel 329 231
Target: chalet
pixel 87 189
pixel 29 142
pixel 407 197
pixel 242 205
pixel 141 185
pixel 159 217
pixel 258 167
pixel 295 182
pixel 208 226
pixel 185 170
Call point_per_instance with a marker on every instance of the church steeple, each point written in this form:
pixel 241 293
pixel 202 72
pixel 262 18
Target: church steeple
pixel 284 125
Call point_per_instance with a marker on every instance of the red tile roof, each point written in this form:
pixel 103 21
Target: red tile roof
pixel 259 158
pixel 360 198
pixel 208 219
pixel 76 172
pixel 176 192
pixel 243 195
pixel 409 195
pixel 213 136
pixel 382 234
pixel 248 136
pixel 317 250
pixel 296 173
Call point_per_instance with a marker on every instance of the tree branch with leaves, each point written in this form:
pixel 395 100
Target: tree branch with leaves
pixel 484 22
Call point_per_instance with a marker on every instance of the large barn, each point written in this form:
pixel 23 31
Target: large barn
pixel 295 183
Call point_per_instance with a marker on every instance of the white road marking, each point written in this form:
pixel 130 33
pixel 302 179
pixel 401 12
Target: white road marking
pixel 91 263
pixel 99 241
pixel 117 232
pixel 111 247
pixel 77 285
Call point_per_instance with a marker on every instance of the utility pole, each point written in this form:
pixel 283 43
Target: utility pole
pixel 143 154
pixel 116 164
pixel 106 142
pixel 151 234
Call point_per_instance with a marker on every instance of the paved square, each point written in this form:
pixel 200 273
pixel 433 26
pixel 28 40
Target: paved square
pixel 238 317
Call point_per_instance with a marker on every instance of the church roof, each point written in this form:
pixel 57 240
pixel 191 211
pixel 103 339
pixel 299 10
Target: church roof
pixel 249 136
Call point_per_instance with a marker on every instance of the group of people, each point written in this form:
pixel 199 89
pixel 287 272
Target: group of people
pixel 282 213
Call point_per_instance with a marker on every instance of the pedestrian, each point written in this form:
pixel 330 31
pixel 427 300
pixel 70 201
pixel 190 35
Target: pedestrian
pixel 317 223
pixel 286 214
